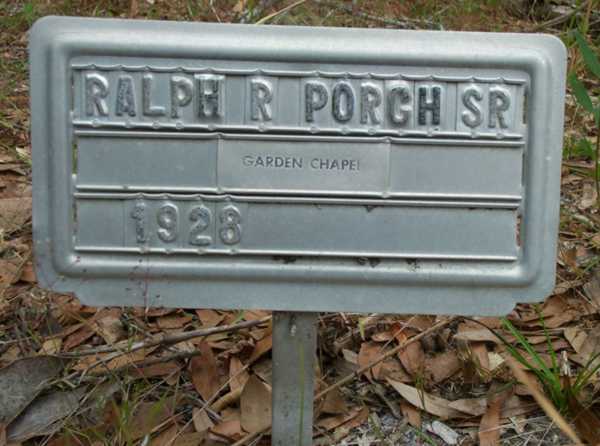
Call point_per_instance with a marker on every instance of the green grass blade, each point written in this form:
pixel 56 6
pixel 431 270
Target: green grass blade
pixel 589 57
pixel 581 93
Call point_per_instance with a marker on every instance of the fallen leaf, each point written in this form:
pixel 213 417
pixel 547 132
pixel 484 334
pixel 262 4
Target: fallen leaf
pixel 370 351
pixel 411 413
pixel 209 318
pixel 472 406
pixel 237 375
pixel 330 423
pixel 263 346
pixel 9 272
pixel 412 358
pixel 434 405
pixel 173 321
pixel 149 416
pixel 201 420
pixel 441 367
pixel 107 324
pixel 50 346
pixel 78 337
pixel 14 213
pixel 489 428
pixel 592 291
pixel 588 196
pixel 22 380
pixel 154 370
pixel 28 273
pixel 255 405
pixel 334 403
pixel 447 434
pixel 205 373
pixel 39 417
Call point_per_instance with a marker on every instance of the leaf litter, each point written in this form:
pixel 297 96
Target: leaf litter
pixel 213 390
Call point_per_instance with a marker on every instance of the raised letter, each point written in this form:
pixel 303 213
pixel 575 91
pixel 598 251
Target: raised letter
pixel 343 113
pixel 210 95
pixel 316 98
pixel 149 109
pixel 434 106
pixel 96 89
pixel 499 103
pixel 125 96
pixel 473 117
pixel 181 94
pixel 260 98
pixel 398 113
pixel 370 99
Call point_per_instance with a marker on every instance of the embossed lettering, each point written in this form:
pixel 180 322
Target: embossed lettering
pixel 434 106
pixel 166 218
pixel 96 90
pixel 139 215
pixel 210 95
pixel 125 97
pixel 231 228
pixel 470 98
pixel 370 99
pixel 181 94
pixel 499 103
pixel 201 217
pixel 316 98
pixel 260 98
pixel 149 109
pixel 399 113
pixel 343 102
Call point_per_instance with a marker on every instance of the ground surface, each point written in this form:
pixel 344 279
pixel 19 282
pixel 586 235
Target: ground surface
pixel 59 385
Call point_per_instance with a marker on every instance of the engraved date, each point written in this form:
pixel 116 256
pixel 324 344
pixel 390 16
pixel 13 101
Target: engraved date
pixel 197 225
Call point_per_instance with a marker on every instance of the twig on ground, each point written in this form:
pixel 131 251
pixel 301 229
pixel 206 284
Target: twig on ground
pixel 265 19
pixel 122 348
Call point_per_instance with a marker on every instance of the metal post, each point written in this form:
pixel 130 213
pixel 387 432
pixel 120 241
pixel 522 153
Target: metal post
pixel 294 351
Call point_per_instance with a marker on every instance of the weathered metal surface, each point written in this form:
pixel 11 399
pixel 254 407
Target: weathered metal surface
pixel 294 351
pixel 204 165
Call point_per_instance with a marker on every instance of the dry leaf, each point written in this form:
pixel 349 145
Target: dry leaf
pixel 413 359
pixel 22 380
pixel 160 369
pixel 434 405
pixel 149 416
pixel 472 406
pixel 442 366
pixel 489 429
pixel 588 196
pixel 334 403
pixel 50 347
pixel 330 423
pixel 237 375
pixel 107 324
pixel 201 420
pixel 411 413
pixel 14 213
pixel 370 351
pixel 448 435
pixel 255 405
pixel 263 346
pixel 209 318
pixel 205 373
pixel 173 321
pixel 39 417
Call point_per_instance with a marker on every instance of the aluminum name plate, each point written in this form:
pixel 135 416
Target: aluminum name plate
pixel 286 168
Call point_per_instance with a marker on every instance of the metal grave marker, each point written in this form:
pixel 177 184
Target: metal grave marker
pixel 295 169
